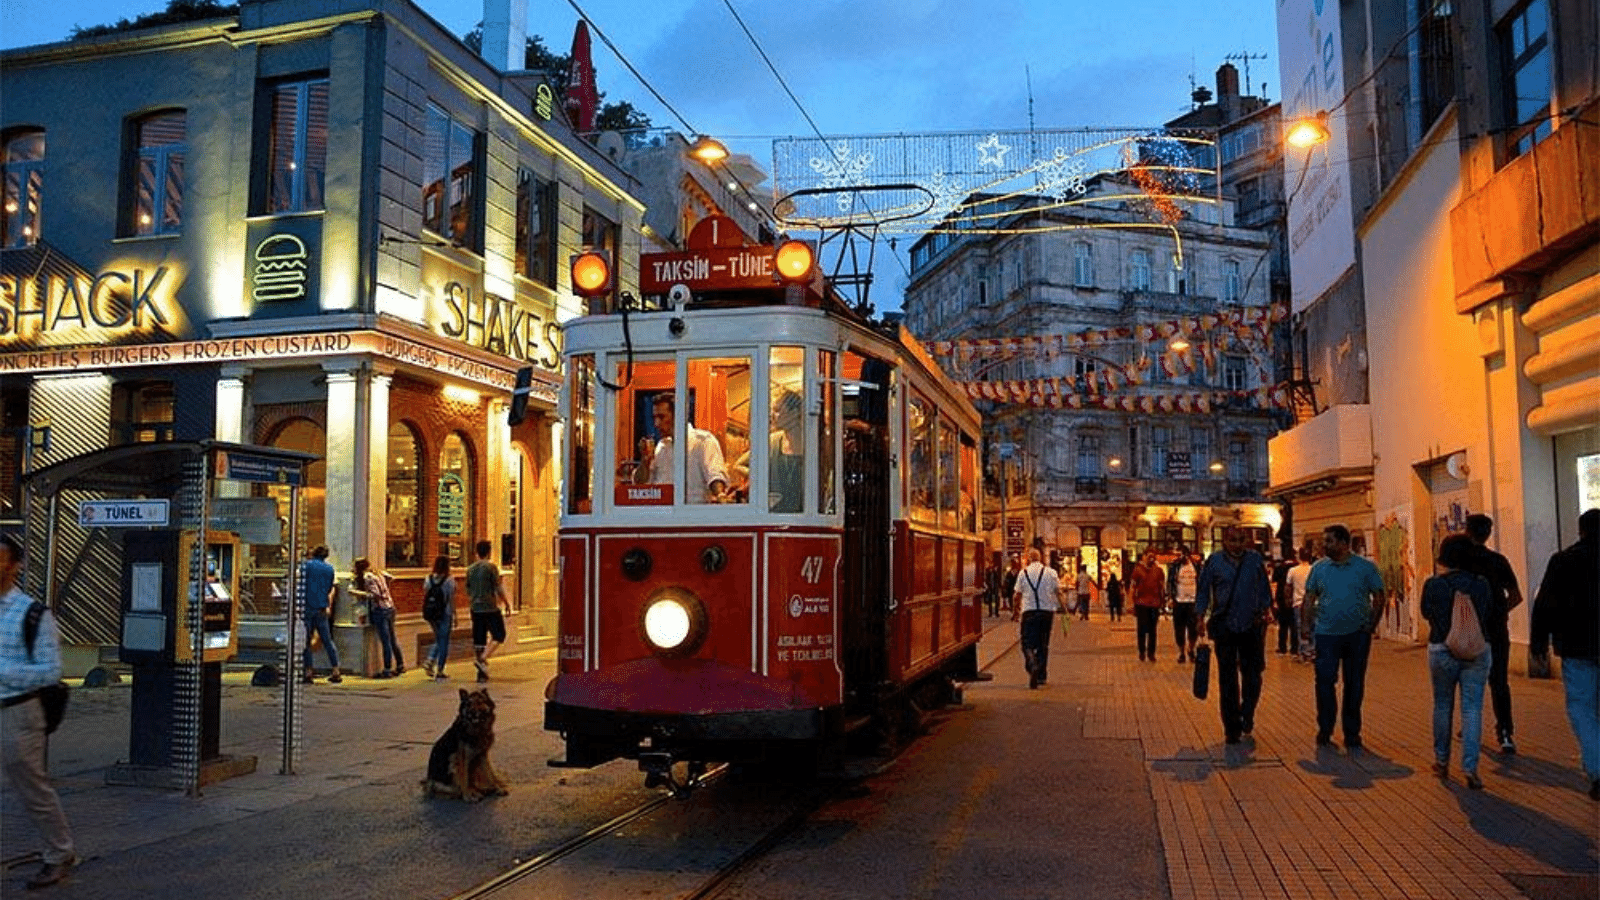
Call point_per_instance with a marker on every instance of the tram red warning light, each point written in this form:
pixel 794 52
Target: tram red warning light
pixel 794 261
pixel 591 273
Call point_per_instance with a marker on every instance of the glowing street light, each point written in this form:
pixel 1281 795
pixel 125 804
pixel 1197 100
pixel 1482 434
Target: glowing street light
pixel 708 150
pixel 1307 133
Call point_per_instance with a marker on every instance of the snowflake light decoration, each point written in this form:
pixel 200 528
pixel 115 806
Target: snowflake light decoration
pixel 1062 176
pixel 842 170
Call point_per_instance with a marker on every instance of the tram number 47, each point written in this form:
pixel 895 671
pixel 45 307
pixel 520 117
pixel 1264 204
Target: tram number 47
pixel 811 569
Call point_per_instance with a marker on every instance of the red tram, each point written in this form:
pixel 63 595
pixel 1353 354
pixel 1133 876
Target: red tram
pixel 753 597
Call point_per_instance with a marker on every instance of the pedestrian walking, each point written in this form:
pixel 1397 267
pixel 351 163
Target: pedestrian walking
pixel 1147 586
pixel 488 605
pixel 1295 584
pixel 1283 611
pixel 1346 595
pixel 1505 594
pixel 1008 582
pixel 1183 585
pixel 439 610
pixel 1085 593
pixel 381 613
pixel 1035 602
pixel 1114 597
pixel 1448 673
pixel 1233 604
pixel 316 598
pixel 1566 610
pixel 24 737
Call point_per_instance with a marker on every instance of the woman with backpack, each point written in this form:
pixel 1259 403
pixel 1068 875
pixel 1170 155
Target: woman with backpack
pixel 380 611
pixel 1448 671
pixel 439 609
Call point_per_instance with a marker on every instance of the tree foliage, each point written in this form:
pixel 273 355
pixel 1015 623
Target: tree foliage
pixel 557 69
pixel 176 11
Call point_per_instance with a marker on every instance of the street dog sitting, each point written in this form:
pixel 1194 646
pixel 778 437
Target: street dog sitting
pixel 459 764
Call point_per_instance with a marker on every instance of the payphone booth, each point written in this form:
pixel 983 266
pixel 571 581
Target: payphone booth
pixel 173 522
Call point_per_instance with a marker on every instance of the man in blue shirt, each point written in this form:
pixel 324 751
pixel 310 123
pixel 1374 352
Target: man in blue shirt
pixel 1346 596
pixel 316 592
pixel 1232 602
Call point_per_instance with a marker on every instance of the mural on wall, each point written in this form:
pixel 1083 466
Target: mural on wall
pixel 1399 574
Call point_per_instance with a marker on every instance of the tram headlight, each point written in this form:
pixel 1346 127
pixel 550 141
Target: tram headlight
pixel 674 623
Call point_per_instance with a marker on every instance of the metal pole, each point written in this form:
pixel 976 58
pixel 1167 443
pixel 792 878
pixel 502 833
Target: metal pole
pixel 291 640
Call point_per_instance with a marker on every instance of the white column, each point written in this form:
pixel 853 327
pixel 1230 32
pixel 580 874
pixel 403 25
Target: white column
pixel 377 466
pixel 230 422
pixel 346 466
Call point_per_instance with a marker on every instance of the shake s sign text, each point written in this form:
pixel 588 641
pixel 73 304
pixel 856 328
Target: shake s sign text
pixel 500 326
pixel 111 303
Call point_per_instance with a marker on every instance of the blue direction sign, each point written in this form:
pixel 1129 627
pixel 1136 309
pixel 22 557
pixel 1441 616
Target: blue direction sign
pixel 259 469
pixel 123 513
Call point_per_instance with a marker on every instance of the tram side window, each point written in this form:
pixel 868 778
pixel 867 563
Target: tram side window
pixel 949 475
pixel 827 377
pixel 580 436
pixel 786 441
pixel 922 476
pixel 969 484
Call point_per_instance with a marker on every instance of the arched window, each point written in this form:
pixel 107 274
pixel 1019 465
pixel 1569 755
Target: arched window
pixel 307 436
pixel 156 184
pixel 403 506
pixel 455 500
pixel 24 188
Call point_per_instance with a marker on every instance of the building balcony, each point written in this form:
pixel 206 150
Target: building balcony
pixel 1319 453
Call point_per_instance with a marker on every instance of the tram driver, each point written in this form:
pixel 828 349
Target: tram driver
pixel 707 473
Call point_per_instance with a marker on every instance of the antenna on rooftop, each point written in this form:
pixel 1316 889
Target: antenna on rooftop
pixel 1245 56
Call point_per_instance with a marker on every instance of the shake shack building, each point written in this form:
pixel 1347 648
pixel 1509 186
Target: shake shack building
pixel 343 235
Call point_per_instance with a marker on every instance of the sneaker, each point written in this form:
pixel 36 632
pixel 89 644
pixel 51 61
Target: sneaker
pixel 335 677
pixel 483 676
pixel 51 873
pixel 1231 739
pixel 1324 739
pixel 399 670
pixel 1507 745
pixel 1473 782
pixel 440 675
pixel 482 666
pixel 308 679
pixel 1441 770
pixel 1181 658
pixel 384 674
pixel 1353 744
pixel 427 666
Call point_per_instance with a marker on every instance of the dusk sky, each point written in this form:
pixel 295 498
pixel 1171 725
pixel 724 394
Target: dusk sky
pixel 861 66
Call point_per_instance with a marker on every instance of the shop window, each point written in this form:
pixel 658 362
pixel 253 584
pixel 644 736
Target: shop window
pixel 1525 60
pixel 922 475
pixel 518 464
pixel 580 435
pixel 403 504
pixel 24 188
pixel 536 228
pixel 297 146
pixel 156 182
pixel 265 588
pixel 451 180
pixel 454 509
pixel 142 412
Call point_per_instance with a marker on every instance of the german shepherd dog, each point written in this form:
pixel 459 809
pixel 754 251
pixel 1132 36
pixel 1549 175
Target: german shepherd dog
pixel 459 764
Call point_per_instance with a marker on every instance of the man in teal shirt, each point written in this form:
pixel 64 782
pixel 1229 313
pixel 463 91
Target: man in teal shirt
pixel 1346 596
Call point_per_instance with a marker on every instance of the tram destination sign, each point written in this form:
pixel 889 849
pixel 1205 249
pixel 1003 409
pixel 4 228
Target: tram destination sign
pixel 123 513
pixel 709 269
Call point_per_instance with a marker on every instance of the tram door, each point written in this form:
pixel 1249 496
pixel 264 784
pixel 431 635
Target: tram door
pixel 867 549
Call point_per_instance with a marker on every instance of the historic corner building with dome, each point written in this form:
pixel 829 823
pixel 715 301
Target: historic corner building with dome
pixel 344 234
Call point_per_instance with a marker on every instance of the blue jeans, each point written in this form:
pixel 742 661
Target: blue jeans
pixel 318 623
pixel 1346 655
pixel 441 643
pixel 1471 675
pixel 383 623
pixel 1582 680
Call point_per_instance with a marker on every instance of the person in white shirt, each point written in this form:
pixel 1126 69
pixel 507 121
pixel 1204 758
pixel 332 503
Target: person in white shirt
pixel 707 472
pixel 1183 577
pixel 1085 593
pixel 1036 601
pixel 1296 579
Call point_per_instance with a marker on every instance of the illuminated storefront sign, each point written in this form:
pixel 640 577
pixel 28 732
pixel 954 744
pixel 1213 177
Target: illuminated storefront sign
pixel 281 264
pixel 500 326
pixel 52 306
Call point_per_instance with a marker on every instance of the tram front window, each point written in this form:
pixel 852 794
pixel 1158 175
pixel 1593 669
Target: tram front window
pixel 654 420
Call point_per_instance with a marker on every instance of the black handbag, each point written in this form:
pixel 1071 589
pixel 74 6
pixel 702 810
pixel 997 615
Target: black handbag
pixel 1202 671
pixel 54 700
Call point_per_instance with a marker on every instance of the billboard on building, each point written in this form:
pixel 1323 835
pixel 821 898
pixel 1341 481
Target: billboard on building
pixel 1321 226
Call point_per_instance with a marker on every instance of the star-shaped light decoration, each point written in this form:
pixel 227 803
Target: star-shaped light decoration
pixel 991 152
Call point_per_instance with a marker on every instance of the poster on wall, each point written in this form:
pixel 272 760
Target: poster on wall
pixel 1394 556
pixel 1589 482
